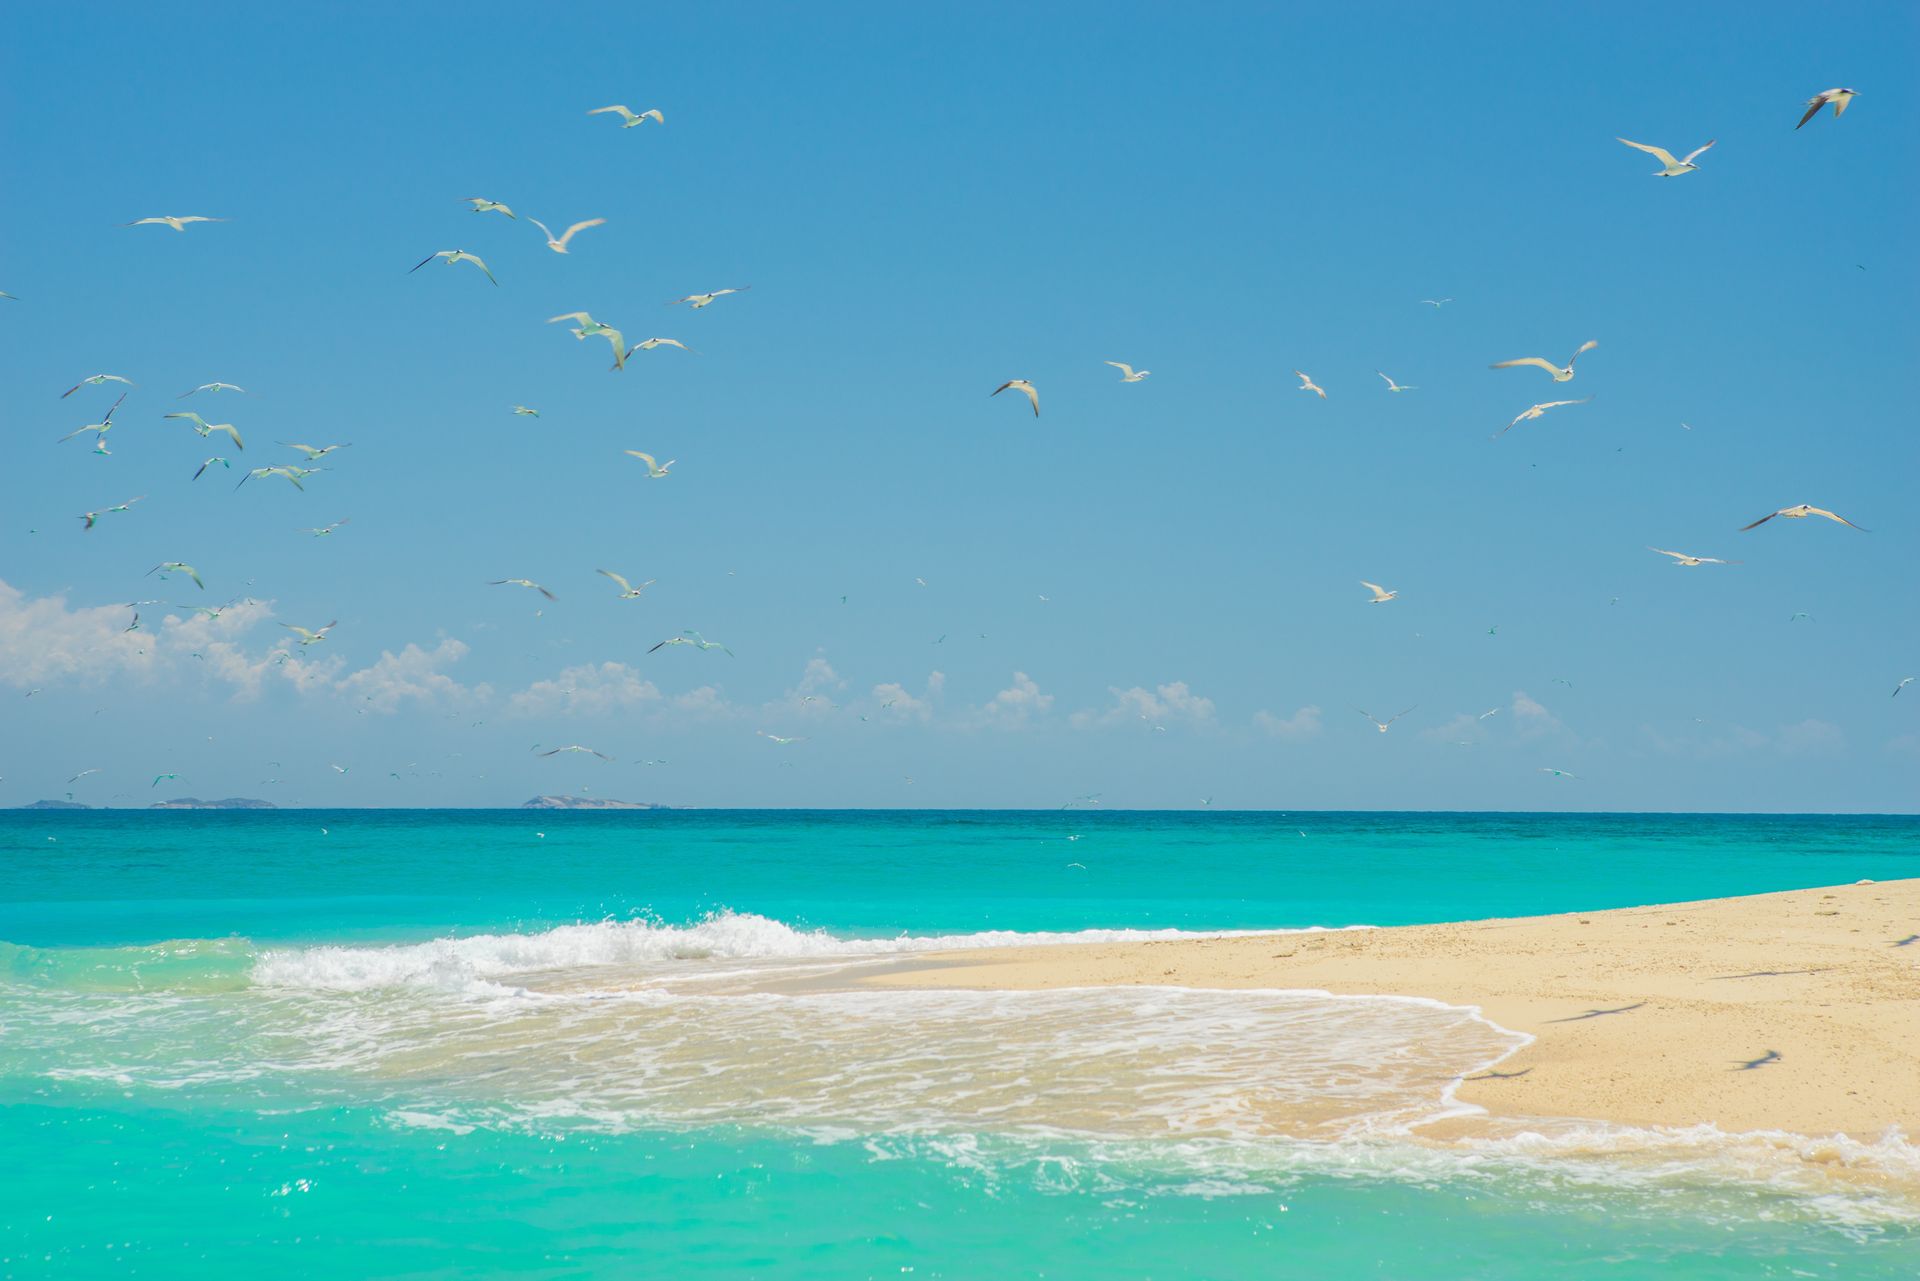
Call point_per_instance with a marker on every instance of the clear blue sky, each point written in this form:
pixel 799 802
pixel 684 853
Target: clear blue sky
pixel 926 204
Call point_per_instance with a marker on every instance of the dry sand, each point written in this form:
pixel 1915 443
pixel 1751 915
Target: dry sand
pixel 1640 1015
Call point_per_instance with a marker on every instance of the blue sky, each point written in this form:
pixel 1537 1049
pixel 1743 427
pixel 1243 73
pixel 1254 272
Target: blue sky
pixel 926 204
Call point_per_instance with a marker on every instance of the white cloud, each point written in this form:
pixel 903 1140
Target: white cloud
pixel 591 689
pixel 1172 702
pixel 1014 705
pixel 43 640
pixel 1304 723
pixel 818 676
pixel 705 701
pixel 412 674
pixel 893 699
pixel 1531 719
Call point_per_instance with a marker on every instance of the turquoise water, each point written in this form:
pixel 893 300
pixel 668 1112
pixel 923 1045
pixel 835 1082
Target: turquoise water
pixel 462 1044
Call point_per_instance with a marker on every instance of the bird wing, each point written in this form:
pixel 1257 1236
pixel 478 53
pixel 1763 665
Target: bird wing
pixel 423 262
pixel 656 647
pixel 580 226
pixel 1537 361
pixel 1383 378
pixel 578 316
pixel 1813 109
pixel 1375 588
pixel 1697 150
pixel 1585 347
pixel 1033 394
pixel 622 110
pixel 1821 511
pixel 1122 366
pixel 476 262
pixel 645 458
pixel 655 113
pixel 625 586
pixel 1763 520
pixel 1661 153
pixel 1664 552
pixel 544 229
pixel 232 431
pixel 543 591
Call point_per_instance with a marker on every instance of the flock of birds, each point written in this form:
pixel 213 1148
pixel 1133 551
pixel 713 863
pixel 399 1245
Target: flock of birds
pixel 584 326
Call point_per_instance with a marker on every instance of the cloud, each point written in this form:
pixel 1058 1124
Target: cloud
pixel 412 675
pixel 43 640
pixel 1810 738
pixel 1172 702
pixel 1014 705
pixel 818 676
pixel 1464 728
pixel 894 700
pixel 1531 719
pixel 1304 723
pixel 591 689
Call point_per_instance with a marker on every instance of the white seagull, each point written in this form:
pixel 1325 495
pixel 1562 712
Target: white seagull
pixel 313 637
pixel 1436 303
pixel 91 517
pixel 1307 384
pixel 453 257
pixel 701 300
pixel 651 343
pixel 312 452
pixel 99 429
pixel 630 118
pixel 1380 594
pixel 482 205
pixel 1392 385
pixel 178 223
pixel 1534 411
pixel 1674 168
pixel 94 380
pixel 585 327
pixel 559 245
pixel 525 412
pixel 212 387
pixel 627 590
pixel 179 567
pixel 1127 375
pixel 1025 388
pixel 1560 375
pixel 1380 724
pixel 1902 685
pixel 521 582
pixel 1681 558
pixel 206 428
pixel 1800 512
pixel 1838 97
pixel 694 639
pixel 655 470
pixel 575 747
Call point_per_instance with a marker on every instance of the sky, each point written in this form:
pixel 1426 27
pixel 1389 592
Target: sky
pixel 1149 595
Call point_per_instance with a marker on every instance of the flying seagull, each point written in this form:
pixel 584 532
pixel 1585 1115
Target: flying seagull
pixel 1436 303
pixel 324 530
pixel 1902 685
pixel 453 257
pixel 1127 375
pixel 1379 724
pixel 559 244
pixel 1674 168
pixel 313 453
pixel 292 474
pixel 701 300
pixel 99 429
pixel 206 428
pixel 627 590
pixel 629 118
pixel 91 517
pixel 585 327
pixel 521 582
pixel 1307 384
pixel 158 777
pixel 1025 388
pixel 175 566
pixel 696 640
pixel 210 462
pixel 1801 512
pixel 1838 97
pixel 1681 558
pixel 575 747
pixel 94 380
pixel 777 739
pixel 212 387
pixel 178 223
pixel 313 637
pixel 482 205
pixel 651 343
pixel 1559 375
pixel 1557 773
pixel 1394 386
pixel 1380 594
pixel 1535 411
pixel 522 409
pixel 654 470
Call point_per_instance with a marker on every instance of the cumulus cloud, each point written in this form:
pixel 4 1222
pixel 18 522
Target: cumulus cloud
pixel 1171 702
pixel 42 640
pixel 591 689
pixel 412 675
pixel 893 699
pixel 1304 723
pixel 1014 705
pixel 1531 719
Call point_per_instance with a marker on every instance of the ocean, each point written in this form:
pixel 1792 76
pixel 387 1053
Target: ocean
pixel 438 1044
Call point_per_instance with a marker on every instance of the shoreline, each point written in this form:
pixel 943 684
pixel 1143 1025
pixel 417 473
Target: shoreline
pixel 1641 1016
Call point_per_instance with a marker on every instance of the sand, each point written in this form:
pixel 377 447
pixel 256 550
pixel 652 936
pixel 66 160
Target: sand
pixel 1640 1015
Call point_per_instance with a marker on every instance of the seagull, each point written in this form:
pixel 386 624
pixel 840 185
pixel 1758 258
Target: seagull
pixel 82 774
pixel 158 777
pixel 1307 384
pixel 559 245
pixel 179 222
pixel 1902 685
pixel 587 327
pixel 1535 411
pixel 1681 558
pixel 210 462
pixel 1436 303
pixel 95 380
pixel 101 428
pixel 1380 594
pixel 1557 773
pixel 654 470
pixel 288 472
pixel 1674 168
pixel 779 740
pixel 701 300
pixel 651 343
pixel 91 517
pixel 1394 386
pixel 521 582
pixel 212 387
pixel 575 747
pixel 1559 375
pixel 1382 725
pixel 1838 97
pixel 5 294
pixel 453 257
pixel 206 428
pixel 324 530
pixel 174 566
pixel 629 118
pixel 1127 375
pixel 1802 511
pixel 1025 388
pixel 695 639
pixel 313 637
pixel 523 410
pixel 311 452
pixel 1489 712
pixel 627 590
pixel 482 205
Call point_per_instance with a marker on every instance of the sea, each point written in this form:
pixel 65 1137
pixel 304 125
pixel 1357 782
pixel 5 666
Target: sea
pixel 634 1044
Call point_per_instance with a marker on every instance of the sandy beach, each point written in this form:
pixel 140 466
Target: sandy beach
pixel 1795 1011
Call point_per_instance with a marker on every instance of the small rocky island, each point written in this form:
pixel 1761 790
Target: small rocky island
pixel 586 803
pixel 56 805
pixel 230 803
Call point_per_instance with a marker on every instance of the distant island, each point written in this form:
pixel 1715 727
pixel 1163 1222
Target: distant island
pixel 586 803
pixel 230 803
pixel 56 805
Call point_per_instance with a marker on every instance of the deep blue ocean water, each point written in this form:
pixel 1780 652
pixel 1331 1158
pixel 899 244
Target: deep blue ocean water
pixel 521 1043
